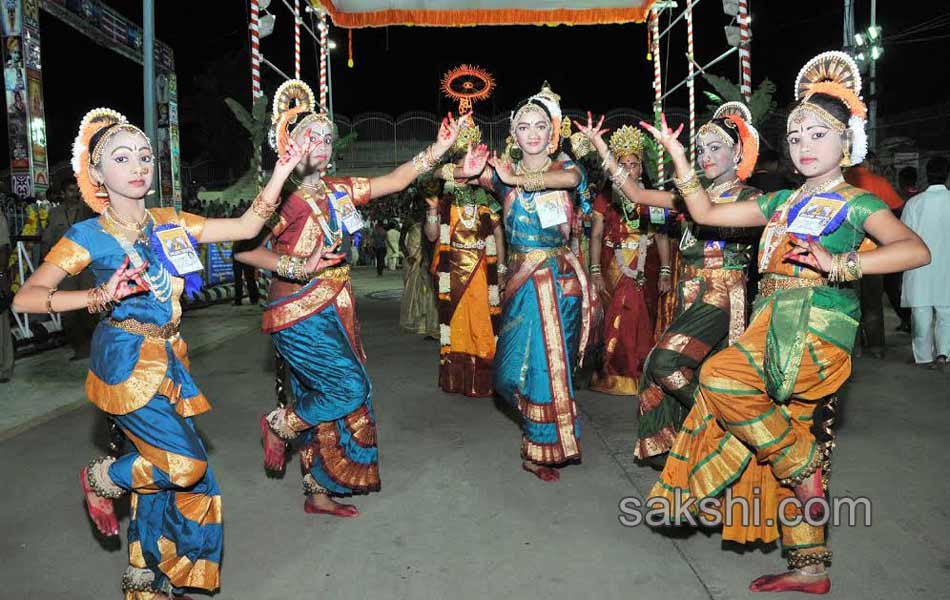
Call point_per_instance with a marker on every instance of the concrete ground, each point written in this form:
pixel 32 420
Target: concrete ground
pixel 457 518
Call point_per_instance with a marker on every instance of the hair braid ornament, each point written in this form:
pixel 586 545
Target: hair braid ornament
pixel 834 73
pixel 84 157
pixel 295 107
pixel 739 116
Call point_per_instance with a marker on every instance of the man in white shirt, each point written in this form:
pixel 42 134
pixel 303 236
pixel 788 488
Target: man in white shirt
pixel 927 289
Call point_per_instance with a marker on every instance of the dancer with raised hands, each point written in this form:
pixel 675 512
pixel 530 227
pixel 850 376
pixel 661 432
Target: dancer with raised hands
pixel 751 427
pixel 311 313
pixel 546 309
pixel 143 261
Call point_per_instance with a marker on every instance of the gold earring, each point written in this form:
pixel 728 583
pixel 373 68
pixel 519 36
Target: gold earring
pixel 101 192
pixel 846 157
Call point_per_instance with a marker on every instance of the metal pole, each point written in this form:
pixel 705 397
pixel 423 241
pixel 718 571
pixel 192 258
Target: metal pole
pixel 872 109
pixel 148 59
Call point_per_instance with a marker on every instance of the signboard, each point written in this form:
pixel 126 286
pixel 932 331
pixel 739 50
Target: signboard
pixel 218 263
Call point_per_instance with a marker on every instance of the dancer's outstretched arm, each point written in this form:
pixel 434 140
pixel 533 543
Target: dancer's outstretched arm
pixel 252 221
pixel 701 208
pixel 400 178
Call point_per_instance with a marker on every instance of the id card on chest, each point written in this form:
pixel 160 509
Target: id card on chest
pixel 179 251
pixel 552 208
pixel 342 205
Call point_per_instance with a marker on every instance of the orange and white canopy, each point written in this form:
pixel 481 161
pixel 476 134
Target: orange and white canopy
pixel 460 13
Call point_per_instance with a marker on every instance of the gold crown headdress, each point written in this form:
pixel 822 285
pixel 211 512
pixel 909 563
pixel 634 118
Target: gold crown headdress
pixel 738 117
pixel 295 107
pixel 551 104
pixel 627 141
pixel 834 73
pixel 85 157
pixel 467 84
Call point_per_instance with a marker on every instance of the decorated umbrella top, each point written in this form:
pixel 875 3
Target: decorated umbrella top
pixel 458 13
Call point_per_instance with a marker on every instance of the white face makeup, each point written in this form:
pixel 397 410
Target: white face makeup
pixel 126 167
pixel 714 156
pixel 816 148
pixel 319 134
pixel 533 131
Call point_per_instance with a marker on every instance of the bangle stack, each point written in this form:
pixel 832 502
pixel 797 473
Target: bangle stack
pixel 533 182
pixel 502 268
pixel 688 186
pixel 845 267
pixel 620 177
pixel 425 161
pixel 432 218
pixel 49 300
pixel 666 271
pixel 98 300
pixel 603 164
pixel 448 171
pixel 292 267
pixel 262 208
pixel 595 269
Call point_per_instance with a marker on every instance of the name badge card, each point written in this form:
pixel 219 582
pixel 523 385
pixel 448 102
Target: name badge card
pixel 552 208
pixel 346 212
pixel 657 215
pixel 817 215
pixel 179 251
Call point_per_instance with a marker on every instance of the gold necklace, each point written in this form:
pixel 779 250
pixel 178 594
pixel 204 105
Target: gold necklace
pixel 716 190
pixel 137 228
pixel 320 188
pixel 520 169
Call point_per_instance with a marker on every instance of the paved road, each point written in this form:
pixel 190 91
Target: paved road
pixel 456 517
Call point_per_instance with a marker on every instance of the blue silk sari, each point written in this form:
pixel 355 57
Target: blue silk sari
pixel 543 323
pixel 139 374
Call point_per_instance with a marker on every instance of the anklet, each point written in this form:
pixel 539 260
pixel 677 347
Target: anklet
pixel 102 489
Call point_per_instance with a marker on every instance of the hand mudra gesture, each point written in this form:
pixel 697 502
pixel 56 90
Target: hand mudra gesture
pixel 666 136
pixel 127 282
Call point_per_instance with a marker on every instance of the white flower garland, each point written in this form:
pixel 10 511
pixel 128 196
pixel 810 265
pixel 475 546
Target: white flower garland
pixel 859 139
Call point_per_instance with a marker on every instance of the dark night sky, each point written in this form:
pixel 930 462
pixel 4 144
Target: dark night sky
pixel 398 68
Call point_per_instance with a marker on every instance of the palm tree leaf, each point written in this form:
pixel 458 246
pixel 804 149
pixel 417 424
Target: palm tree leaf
pixel 726 89
pixel 241 114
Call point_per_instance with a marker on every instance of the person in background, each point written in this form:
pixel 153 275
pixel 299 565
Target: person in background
pixel 6 337
pixel 379 247
pixel 907 183
pixel 866 177
pixel 393 253
pixel 78 325
pixel 927 289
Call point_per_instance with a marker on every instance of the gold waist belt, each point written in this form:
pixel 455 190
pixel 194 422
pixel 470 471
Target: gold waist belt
pixel 149 330
pixel 337 273
pixel 538 254
pixel 769 285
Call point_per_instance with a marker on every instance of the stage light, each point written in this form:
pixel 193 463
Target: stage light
pixel 266 26
pixel 730 7
pixel 732 35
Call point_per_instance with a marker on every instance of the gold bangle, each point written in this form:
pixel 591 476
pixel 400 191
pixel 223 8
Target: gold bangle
pixel 688 186
pixel 424 161
pixel 448 171
pixel 49 300
pixel 263 209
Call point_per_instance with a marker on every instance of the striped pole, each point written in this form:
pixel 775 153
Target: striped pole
pixel 745 58
pixel 324 57
pixel 256 93
pixel 657 92
pixel 296 39
pixel 692 83
pixel 255 51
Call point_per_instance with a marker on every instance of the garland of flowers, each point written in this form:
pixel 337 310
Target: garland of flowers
pixel 486 231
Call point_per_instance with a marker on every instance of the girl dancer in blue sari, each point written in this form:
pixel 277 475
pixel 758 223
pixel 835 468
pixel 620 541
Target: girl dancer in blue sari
pixel 545 318
pixel 139 372
pixel 311 315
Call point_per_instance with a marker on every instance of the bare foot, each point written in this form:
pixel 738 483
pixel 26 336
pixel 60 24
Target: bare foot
pixel 101 510
pixel 322 504
pixel 793 581
pixel 541 472
pixel 275 458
